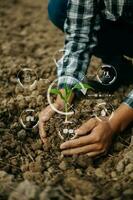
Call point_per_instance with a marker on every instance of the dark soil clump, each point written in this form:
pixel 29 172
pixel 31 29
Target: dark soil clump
pixel 29 169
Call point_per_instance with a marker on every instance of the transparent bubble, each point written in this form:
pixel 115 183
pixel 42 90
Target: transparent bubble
pixel 106 75
pixel 27 78
pixel 29 119
pixel 53 91
pixel 59 56
pixel 103 111
pixel 67 131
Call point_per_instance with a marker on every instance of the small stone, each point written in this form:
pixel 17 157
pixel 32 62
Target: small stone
pixel 21 134
pixel 6 183
pixel 2 125
pixel 120 166
pixel 78 197
pixel 27 175
pixel 115 190
pixel 129 156
pixel 128 192
pixel 114 193
pixel 47 164
pixel 129 168
pixel 37 145
pixel 63 165
pixel 51 170
pixel 40 100
pixel 79 171
pixel 24 167
pixel 14 162
pixel 131 175
pixel 113 174
pixel 84 161
pixel 25 190
pixel 90 170
pixel 39 159
pixel 99 172
pixel 118 147
pixel 35 167
pixel 19 97
pixel 4 176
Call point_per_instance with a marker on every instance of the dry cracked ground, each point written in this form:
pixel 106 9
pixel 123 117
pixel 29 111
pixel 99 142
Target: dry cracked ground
pixel 29 170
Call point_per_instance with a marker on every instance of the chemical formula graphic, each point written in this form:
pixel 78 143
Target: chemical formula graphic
pixel 106 75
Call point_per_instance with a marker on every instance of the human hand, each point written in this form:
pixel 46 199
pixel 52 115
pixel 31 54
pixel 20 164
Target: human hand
pixel 48 112
pixel 44 116
pixel 94 138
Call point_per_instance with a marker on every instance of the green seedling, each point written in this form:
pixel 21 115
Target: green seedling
pixel 67 94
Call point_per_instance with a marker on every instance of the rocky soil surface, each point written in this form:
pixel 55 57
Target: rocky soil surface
pixel 27 168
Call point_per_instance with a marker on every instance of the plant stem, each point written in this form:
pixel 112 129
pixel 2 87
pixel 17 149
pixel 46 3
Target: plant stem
pixel 66 119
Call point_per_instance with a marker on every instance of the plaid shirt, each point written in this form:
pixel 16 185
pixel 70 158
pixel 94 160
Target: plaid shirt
pixel 81 26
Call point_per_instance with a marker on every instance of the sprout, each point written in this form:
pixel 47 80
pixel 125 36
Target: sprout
pixel 67 94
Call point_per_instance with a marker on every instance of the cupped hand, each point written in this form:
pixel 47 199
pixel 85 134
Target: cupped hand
pixel 94 138
pixel 44 116
pixel 48 112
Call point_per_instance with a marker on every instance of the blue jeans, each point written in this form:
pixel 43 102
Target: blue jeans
pixel 57 11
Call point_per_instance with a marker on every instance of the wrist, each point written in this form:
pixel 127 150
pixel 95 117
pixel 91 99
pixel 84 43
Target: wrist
pixel 115 125
pixel 121 118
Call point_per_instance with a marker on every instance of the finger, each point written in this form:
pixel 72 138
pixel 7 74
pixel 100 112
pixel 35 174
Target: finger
pixel 86 127
pixel 46 114
pixel 42 132
pixel 94 154
pixel 88 139
pixel 80 150
pixel 44 140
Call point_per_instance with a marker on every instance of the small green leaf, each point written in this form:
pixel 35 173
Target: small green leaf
pixel 55 91
pixel 77 86
pixel 82 85
pixel 87 86
pixel 68 92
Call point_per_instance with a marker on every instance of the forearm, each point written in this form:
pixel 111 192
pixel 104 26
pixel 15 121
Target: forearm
pixel 122 117
pixel 80 30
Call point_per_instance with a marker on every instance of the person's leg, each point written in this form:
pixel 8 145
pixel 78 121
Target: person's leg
pixel 109 50
pixel 109 42
pixel 115 39
pixel 127 48
pixel 57 11
pixel 127 39
pixel 113 43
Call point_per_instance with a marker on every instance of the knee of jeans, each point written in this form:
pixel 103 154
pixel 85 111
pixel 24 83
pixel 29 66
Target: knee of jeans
pixel 51 13
pixel 55 15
